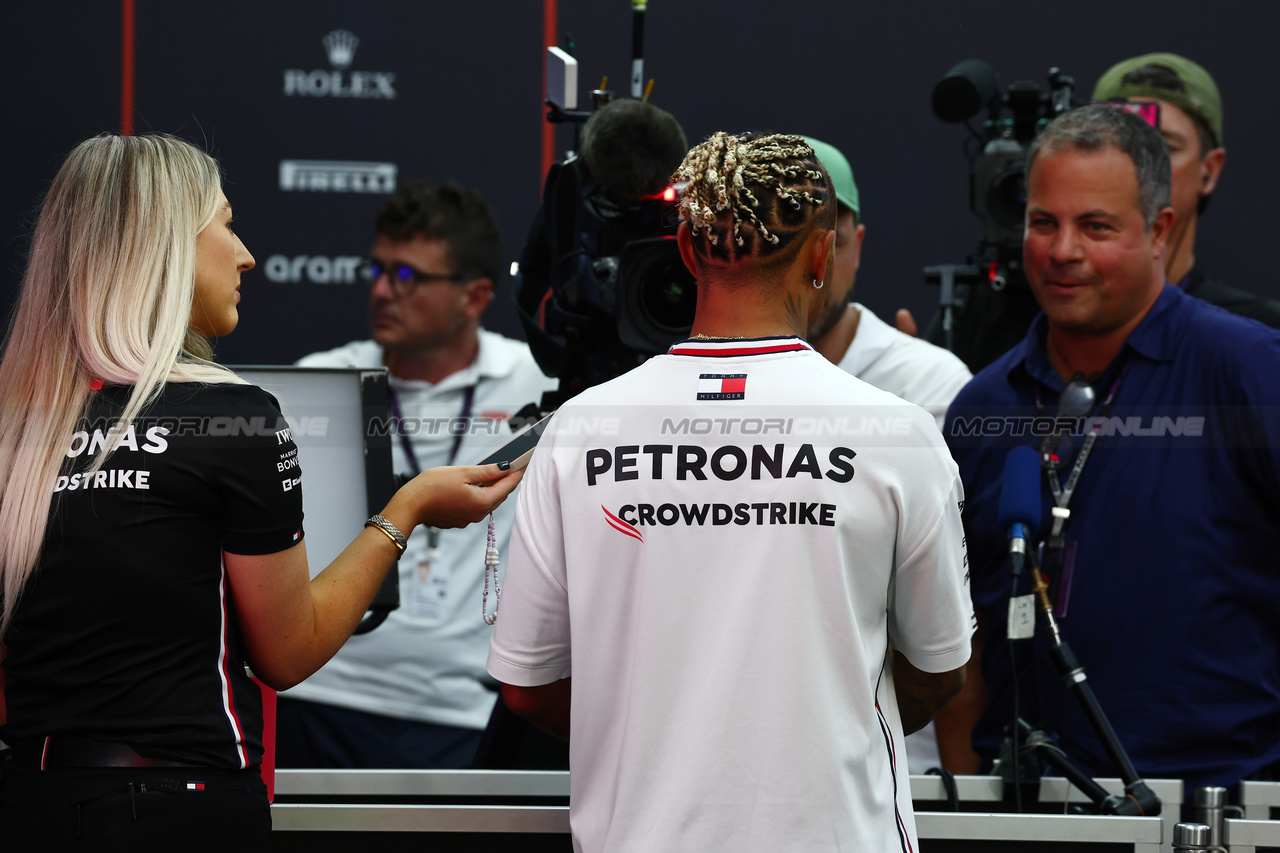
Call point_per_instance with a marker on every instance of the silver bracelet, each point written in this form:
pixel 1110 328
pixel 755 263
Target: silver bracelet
pixel 392 532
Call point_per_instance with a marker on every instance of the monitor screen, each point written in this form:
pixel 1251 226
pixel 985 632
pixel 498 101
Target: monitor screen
pixel 346 466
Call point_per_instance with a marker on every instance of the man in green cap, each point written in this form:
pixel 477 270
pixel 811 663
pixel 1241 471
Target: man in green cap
pixel 1190 120
pixel 858 341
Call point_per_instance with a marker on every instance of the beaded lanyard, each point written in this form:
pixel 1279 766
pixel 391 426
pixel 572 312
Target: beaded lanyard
pixel 491 559
pixel 491 565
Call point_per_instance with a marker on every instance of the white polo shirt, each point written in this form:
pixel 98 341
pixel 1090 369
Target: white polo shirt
pixel 721 547
pixel 921 373
pixel 426 661
pixel 913 369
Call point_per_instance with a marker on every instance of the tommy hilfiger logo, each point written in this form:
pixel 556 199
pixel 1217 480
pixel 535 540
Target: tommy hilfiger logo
pixel 621 526
pixel 722 386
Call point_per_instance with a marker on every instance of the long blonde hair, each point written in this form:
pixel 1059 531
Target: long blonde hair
pixel 107 295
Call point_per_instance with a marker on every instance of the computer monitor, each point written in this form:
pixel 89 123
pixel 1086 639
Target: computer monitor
pixel 340 420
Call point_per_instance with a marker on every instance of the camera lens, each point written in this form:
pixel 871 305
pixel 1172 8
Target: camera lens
pixel 656 295
pixel 1007 197
pixel 668 296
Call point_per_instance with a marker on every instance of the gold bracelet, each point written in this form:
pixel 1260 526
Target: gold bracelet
pixel 390 531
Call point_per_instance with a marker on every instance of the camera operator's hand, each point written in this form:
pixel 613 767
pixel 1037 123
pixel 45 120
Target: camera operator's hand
pixel 456 496
pixel 906 323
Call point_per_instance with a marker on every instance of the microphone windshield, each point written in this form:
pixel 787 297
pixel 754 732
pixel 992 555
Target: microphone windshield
pixel 1020 490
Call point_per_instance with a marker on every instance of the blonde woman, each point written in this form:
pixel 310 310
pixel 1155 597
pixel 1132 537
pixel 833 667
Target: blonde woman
pixel 145 556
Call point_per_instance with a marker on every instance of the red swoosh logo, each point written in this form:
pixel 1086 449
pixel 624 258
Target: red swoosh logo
pixel 621 526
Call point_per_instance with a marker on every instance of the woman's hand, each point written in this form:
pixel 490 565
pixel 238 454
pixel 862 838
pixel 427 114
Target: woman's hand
pixel 458 495
pixel 292 627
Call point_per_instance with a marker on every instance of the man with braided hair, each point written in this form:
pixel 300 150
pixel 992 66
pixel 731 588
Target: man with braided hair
pixel 761 556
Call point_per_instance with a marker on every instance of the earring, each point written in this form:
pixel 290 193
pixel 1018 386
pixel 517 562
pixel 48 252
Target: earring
pixel 817 285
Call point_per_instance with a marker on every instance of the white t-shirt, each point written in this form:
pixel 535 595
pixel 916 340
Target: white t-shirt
pixel 913 369
pixel 921 373
pixel 720 547
pixel 426 661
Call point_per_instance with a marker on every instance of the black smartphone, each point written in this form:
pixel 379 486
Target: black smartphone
pixel 519 450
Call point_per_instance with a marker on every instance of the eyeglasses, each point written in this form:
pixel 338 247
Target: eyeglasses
pixel 403 278
pixel 1076 401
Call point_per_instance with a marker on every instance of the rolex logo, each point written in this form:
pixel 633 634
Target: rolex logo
pixel 337 81
pixel 341 47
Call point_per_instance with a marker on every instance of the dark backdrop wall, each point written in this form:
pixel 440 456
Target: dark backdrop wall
pixel 313 133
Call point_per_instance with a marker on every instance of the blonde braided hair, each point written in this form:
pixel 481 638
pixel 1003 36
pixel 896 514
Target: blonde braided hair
pixel 755 192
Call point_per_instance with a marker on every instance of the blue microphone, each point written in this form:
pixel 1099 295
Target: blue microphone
pixel 1020 502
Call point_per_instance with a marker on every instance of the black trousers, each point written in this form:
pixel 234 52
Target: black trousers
pixel 312 734
pixel 130 809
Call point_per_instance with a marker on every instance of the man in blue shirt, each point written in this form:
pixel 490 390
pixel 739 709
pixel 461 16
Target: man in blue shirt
pixel 1166 573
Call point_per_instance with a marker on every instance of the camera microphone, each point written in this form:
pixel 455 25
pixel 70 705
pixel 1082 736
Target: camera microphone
pixel 1020 508
pixel 965 90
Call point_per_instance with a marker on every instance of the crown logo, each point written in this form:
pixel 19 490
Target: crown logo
pixel 341 47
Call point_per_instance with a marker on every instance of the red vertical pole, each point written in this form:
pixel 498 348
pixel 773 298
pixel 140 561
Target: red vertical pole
pixel 549 39
pixel 126 70
pixel 268 739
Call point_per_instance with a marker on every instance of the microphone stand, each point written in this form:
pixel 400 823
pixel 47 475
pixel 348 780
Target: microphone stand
pixel 947 276
pixel 637 47
pixel 1138 799
pixel 1037 743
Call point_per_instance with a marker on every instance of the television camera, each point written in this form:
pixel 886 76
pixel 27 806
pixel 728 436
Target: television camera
pixel 601 286
pixel 985 305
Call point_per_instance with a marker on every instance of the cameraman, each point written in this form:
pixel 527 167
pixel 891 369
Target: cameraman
pixel 1191 124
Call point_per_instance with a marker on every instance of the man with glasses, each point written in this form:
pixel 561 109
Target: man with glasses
pixel 412 692
pixel 1157 420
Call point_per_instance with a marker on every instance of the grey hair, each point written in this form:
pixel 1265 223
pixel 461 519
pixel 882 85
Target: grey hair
pixel 1098 126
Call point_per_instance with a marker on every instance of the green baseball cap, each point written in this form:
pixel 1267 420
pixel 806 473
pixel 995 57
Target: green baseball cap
pixel 841 174
pixel 1198 96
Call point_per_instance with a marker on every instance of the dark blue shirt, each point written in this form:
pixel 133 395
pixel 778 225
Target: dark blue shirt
pixel 1173 600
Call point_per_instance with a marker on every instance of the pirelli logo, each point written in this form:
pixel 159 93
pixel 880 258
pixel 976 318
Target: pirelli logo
pixel 337 176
